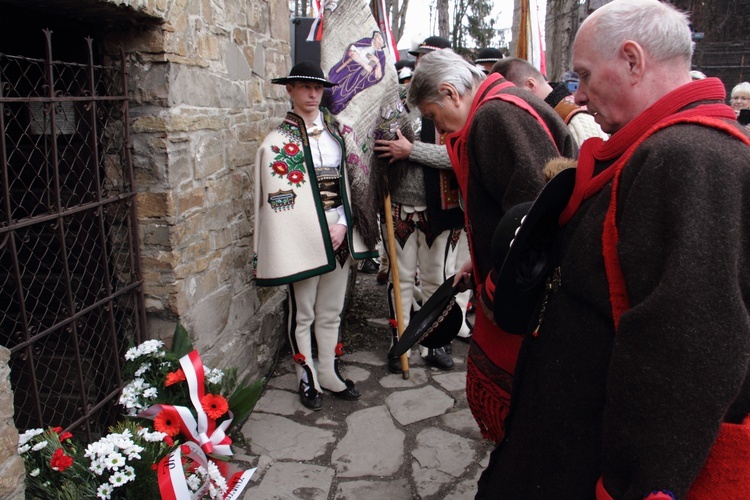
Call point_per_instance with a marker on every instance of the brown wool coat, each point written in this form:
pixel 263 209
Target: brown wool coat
pixel 640 408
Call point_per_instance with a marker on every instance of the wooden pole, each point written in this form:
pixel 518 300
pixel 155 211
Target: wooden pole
pixel 393 264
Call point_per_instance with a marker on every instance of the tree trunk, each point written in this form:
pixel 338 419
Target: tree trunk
pixel 443 18
pixel 561 26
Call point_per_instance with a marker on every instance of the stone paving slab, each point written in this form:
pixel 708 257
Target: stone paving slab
pixel 288 480
pixel 398 489
pixel 372 446
pixel 452 382
pixel 441 450
pixel 411 439
pixel 417 377
pixel 463 422
pixel 282 438
pixel 280 403
pixel 414 405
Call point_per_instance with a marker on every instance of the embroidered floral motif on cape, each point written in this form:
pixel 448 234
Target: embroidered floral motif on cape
pixel 289 163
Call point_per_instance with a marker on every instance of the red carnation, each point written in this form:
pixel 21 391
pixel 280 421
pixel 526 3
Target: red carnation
pixel 57 429
pixel 339 349
pixel 168 440
pixel 291 148
pixel 65 435
pixel 280 167
pixel 60 461
pixel 295 177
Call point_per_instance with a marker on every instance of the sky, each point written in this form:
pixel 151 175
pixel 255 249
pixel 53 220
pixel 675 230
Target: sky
pixel 418 20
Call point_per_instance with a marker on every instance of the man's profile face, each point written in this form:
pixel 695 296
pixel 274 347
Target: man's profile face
pixel 602 85
pixel 306 96
pixel 447 116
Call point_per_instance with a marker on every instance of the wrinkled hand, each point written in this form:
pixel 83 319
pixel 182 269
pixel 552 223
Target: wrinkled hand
pixel 338 233
pixel 397 149
pixel 464 278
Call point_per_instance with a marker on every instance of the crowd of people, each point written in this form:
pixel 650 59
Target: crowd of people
pixel 611 207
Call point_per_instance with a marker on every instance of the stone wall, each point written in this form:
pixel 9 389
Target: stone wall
pixel 11 464
pixel 201 103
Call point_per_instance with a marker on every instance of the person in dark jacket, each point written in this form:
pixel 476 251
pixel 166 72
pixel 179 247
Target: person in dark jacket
pixel 640 359
pixel 500 138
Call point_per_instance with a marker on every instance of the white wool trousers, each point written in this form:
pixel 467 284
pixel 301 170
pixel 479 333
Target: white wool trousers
pixel 315 305
pixel 435 264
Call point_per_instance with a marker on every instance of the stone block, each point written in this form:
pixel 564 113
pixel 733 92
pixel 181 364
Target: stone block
pixel 237 64
pixel 279 20
pixel 208 47
pixel 209 155
pixel 8 441
pixel 154 205
pixel 12 476
pixel 156 234
pixel 191 200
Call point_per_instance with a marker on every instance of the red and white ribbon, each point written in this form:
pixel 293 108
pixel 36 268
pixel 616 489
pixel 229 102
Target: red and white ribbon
pixel 173 482
pixel 316 30
pixel 212 439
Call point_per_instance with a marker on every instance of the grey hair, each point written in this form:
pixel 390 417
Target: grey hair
pixel 441 66
pixel 741 88
pixel 662 30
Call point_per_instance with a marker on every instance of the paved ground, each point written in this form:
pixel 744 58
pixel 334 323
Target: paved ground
pixel 403 440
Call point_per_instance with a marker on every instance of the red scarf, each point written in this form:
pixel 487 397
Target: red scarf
pixel 457 142
pixel 627 138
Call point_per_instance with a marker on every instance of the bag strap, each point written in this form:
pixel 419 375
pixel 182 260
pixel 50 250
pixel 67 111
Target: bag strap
pixel 618 296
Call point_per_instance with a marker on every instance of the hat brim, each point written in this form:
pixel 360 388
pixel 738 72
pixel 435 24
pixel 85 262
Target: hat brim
pixel 436 323
pixel 291 79
pixel 520 283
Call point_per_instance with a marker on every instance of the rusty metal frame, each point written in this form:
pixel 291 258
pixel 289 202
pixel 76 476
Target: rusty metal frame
pixel 82 158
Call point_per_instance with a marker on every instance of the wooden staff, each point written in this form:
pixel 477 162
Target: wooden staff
pixel 393 264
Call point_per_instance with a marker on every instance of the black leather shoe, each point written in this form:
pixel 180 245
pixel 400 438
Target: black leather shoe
pixel 369 266
pixel 439 359
pixel 394 362
pixel 309 397
pixel 448 348
pixel 349 394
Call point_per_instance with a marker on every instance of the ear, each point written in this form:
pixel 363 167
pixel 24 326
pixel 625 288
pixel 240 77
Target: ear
pixel 633 54
pixel 450 92
pixel 289 88
pixel 530 83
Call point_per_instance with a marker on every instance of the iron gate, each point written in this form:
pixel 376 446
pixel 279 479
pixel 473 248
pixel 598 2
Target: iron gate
pixel 70 288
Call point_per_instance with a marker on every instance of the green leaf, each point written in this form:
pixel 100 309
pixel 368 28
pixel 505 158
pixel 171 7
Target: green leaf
pixel 181 344
pixel 244 398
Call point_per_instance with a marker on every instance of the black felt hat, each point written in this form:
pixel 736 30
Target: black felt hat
pixel 431 43
pixel 488 55
pixel 521 250
pixel 305 71
pixel 436 323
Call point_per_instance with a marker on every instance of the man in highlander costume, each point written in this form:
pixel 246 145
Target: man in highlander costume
pixel 303 230
pixel 633 380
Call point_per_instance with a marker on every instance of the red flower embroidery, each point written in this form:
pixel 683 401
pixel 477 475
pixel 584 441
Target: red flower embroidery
pixel 295 177
pixel 214 405
pixel 291 148
pixel 174 377
pixel 60 461
pixel 168 422
pixel 299 358
pixel 280 167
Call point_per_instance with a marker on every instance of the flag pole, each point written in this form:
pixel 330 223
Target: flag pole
pixel 395 280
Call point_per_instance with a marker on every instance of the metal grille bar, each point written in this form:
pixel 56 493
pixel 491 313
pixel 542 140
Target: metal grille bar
pixel 70 286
